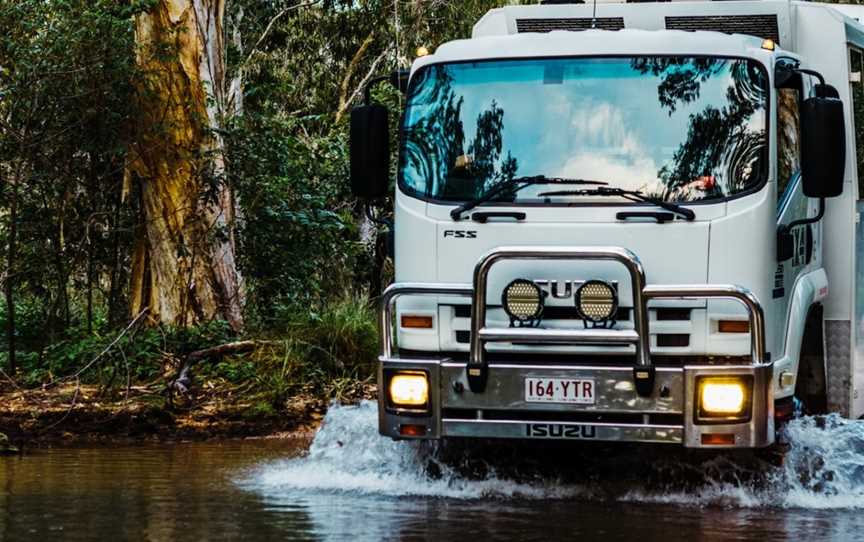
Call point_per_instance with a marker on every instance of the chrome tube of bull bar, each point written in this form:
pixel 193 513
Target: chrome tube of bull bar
pixel 722 291
pixel 742 295
pixel 560 336
pixel 408 288
pixel 477 359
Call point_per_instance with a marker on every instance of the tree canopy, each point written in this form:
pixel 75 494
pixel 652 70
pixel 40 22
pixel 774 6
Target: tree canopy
pixel 74 207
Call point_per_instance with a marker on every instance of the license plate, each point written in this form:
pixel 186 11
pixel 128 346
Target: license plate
pixel 559 390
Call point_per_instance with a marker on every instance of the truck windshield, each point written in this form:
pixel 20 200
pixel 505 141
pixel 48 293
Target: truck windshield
pixel 676 128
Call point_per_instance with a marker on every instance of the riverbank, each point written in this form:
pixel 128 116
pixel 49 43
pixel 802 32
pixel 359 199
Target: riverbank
pixel 194 383
pixel 72 414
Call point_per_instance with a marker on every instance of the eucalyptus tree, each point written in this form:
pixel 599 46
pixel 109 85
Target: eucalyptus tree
pixel 184 265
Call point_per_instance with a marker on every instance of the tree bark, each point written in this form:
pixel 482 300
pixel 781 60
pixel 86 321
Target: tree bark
pixel 115 312
pixel 184 266
pixel 9 275
pixel 90 266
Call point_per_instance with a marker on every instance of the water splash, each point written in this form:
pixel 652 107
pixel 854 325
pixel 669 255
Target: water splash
pixel 824 468
pixel 349 456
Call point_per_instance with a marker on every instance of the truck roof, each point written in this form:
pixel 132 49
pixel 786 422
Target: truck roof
pixel 598 43
pixel 774 19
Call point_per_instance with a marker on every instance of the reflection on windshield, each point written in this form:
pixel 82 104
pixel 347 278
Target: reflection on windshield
pixel 678 128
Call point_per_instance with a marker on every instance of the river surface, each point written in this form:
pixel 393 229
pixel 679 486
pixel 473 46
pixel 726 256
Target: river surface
pixel 352 484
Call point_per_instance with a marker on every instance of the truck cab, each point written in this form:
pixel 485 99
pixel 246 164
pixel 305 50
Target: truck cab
pixel 617 226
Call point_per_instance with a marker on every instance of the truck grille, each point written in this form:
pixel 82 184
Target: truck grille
pixel 761 26
pixel 571 24
pixel 550 313
pixel 664 340
pixel 673 340
pixel 672 315
pixel 661 314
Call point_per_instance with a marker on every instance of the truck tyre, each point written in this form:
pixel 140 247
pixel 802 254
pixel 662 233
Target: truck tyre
pixel 810 386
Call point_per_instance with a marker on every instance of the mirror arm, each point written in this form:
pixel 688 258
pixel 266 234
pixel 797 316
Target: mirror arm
pixel 784 237
pixel 397 78
pixel 804 221
pixel 814 73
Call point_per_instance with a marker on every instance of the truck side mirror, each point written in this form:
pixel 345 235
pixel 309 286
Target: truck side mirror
pixel 823 144
pixel 370 151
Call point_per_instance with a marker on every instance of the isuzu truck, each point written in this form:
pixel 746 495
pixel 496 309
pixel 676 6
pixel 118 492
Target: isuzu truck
pixel 628 222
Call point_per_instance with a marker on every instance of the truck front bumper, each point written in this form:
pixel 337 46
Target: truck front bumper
pixel 618 414
pixel 486 399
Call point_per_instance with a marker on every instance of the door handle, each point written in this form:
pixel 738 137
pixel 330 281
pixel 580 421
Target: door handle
pixel 484 216
pixel 660 217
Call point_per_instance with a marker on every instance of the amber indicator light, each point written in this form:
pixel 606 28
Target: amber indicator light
pixel 412 430
pixel 718 439
pixel 733 326
pixel 417 322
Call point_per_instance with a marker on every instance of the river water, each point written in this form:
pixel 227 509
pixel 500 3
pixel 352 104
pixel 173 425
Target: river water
pixel 352 484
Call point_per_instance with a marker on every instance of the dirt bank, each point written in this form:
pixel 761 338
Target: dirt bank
pixel 76 414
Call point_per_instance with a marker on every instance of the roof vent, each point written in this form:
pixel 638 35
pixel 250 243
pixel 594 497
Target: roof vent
pixel 761 26
pixel 572 24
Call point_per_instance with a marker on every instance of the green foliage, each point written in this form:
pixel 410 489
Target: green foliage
pixel 139 354
pixel 67 82
pixel 69 89
pixel 299 240
pixel 323 351
pixel 326 353
pixel 345 332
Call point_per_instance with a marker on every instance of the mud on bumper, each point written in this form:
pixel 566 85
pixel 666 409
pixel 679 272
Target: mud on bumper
pixel 485 398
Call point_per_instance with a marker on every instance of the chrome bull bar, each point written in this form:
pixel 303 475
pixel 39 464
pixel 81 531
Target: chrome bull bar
pixel 446 374
pixel 477 367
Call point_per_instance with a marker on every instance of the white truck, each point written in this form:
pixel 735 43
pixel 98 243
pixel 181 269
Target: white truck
pixel 625 222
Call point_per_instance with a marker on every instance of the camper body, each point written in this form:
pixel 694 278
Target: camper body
pixel 700 325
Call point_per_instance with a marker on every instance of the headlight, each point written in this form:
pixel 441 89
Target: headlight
pixel 596 302
pixel 724 398
pixel 523 302
pixel 409 390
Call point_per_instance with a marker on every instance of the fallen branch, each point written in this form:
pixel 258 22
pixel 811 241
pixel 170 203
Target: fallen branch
pixel 223 349
pixel 9 379
pixel 183 381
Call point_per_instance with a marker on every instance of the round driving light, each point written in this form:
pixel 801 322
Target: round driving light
pixel 523 301
pixel 596 302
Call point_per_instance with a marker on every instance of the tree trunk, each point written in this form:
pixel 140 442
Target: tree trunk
pixel 9 282
pixel 115 312
pixel 184 267
pixel 90 286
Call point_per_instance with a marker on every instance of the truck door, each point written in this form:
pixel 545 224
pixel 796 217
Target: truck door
pixel 792 205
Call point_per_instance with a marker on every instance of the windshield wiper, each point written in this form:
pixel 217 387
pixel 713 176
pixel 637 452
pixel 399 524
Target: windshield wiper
pixel 632 195
pixel 515 184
